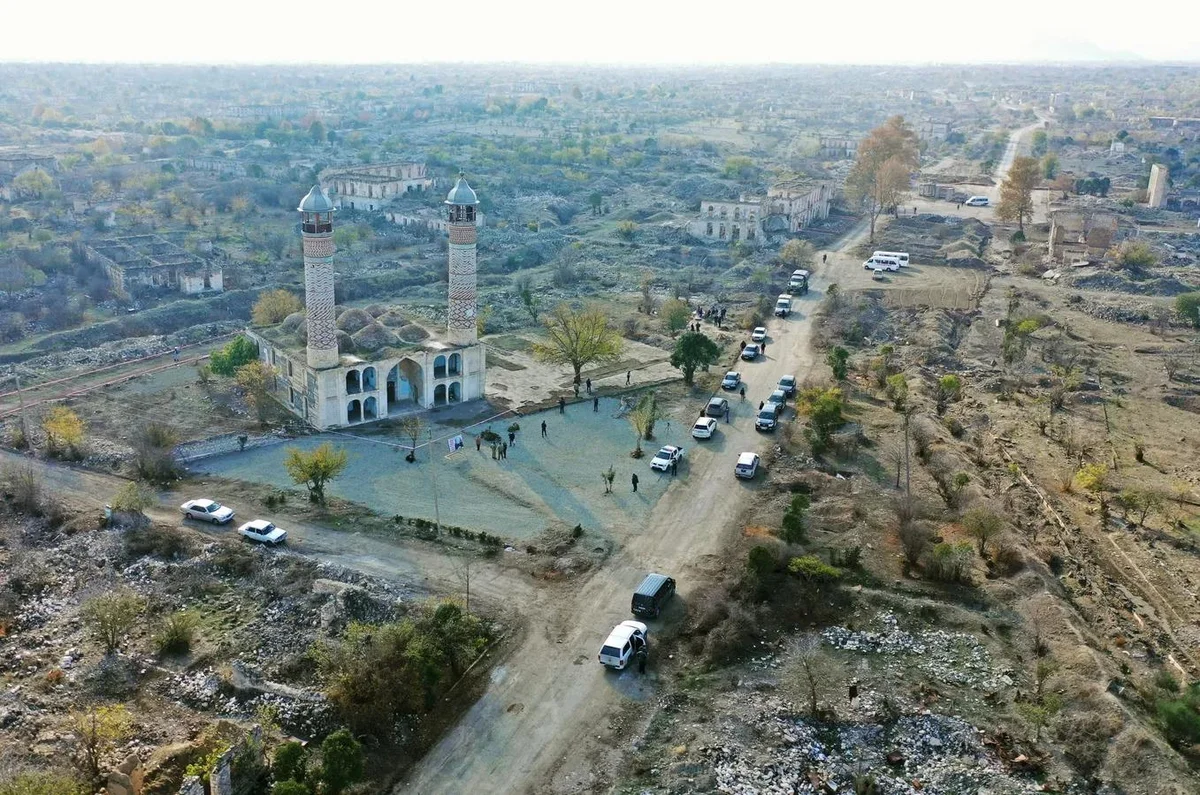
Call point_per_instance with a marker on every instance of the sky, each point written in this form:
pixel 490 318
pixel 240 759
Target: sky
pixel 599 32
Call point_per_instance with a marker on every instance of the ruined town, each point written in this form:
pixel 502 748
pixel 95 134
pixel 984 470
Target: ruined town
pixel 452 425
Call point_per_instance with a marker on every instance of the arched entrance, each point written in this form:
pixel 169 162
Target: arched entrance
pixel 439 367
pixel 370 408
pixel 368 379
pixel 353 382
pixel 439 395
pixel 455 363
pixel 405 386
pixel 454 393
pixel 354 411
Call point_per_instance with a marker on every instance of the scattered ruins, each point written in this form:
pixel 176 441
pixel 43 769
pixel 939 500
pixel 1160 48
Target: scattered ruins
pixel 789 206
pixel 370 187
pixel 151 261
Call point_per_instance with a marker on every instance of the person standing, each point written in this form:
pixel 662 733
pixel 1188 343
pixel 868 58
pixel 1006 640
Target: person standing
pixel 596 404
pixel 760 408
pixel 589 386
pixel 726 413
pixel 627 374
pixel 824 257
pixel 544 436
pixel 504 451
pixel 634 481
pixel 512 438
pixel 562 402
pixel 763 347
pixel 175 354
pixel 674 467
pixel 478 442
pixel 742 392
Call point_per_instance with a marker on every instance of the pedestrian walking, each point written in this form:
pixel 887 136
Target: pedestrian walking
pixel 544 436
pixel 596 404
pixel 743 345
pixel 562 403
pixel 742 392
pixel 504 451
pixel 760 405
pixel 726 413
pixel 634 481
pixel 823 258
pixel 589 386
pixel 852 691
pixel 478 442
pixel 512 438
pixel 675 467
pixel 763 347
pixel 175 354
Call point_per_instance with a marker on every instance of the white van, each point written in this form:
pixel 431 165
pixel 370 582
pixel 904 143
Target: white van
pixel 877 262
pixel 977 201
pixel 901 256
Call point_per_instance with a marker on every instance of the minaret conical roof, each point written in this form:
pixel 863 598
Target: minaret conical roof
pixel 461 193
pixel 315 202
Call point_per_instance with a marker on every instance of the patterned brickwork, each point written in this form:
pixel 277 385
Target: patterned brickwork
pixel 318 247
pixel 318 301
pixel 462 235
pixel 462 309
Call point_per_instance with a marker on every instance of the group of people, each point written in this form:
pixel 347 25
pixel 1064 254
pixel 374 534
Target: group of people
pixel 714 313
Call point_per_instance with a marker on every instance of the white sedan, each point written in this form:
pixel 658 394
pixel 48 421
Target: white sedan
pixel 206 511
pixel 704 428
pixel 263 531
pixel 759 334
pixel 668 455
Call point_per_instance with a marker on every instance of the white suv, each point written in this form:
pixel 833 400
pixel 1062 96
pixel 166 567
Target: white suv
pixel 622 643
pixel 747 465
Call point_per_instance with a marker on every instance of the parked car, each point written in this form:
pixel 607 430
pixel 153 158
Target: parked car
pixel 667 455
pixel 206 511
pixel 767 418
pixel 877 275
pixel 747 465
pixel 263 531
pixel 750 352
pixel 778 397
pixel 759 334
pixel 704 428
pixel 732 380
pixel 788 384
pixel 717 407
pixel 622 643
pixel 649 598
pixel 977 201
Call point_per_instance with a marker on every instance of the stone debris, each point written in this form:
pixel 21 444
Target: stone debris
pixel 955 658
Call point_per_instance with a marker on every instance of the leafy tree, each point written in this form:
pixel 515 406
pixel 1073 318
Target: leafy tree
pixel 1040 142
pixel 316 468
pixel 110 616
pixel 133 497
pixel 529 299
pixel 1093 478
pixel 64 432
pixel 596 201
pixel 740 167
pixel 97 731
pixel 1016 192
pixel 675 314
pixel 273 306
pixel 255 378
pixel 341 762
pixel 838 360
pixel 236 353
pixel 948 390
pixel 1187 306
pixel 823 407
pixel 578 338
pixel 897 391
pixel 761 560
pixel 1049 166
pixel 153 448
pixel 880 176
pixel 32 184
pixel 797 253
pixel 1136 255
pixel 1140 503
pixel 694 350
pixel 316 131
pixel 643 418
pixel 792 524
pixel 813 569
pixel 290 762
pixel 982 525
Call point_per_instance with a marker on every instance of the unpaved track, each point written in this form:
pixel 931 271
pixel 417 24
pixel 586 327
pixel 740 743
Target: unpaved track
pixel 549 699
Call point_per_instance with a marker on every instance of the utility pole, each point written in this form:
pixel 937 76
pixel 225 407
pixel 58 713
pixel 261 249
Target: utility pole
pixel 24 419
pixel 907 458
pixel 437 516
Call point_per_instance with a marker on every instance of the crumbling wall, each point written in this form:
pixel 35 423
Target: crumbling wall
pixel 127 778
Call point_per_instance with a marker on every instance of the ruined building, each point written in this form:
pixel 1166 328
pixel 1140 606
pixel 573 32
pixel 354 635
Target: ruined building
pixel 150 261
pixel 1156 191
pixel 1080 236
pixel 336 367
pixel 788 207
pixel 370 187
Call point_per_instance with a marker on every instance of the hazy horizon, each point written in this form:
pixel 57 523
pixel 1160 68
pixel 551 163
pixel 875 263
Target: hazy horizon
pixel 622 33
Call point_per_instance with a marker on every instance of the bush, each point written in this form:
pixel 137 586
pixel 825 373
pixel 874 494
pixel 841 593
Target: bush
pixel 162 542
pixel 238 353
pixel 133 498
pixel 23 487
pixel 846 558
pixel 290 763
pixel 950 563
pixel 273 306
pixel 1007 556
pixel 177 632
pixel 341 762
pixel 1180 717
pixel 42 784
pixel 792 525
pixel 153 449
pixel 109 616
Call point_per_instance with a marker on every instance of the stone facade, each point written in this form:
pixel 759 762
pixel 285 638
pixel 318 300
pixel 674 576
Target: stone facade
pixel 371 187
pixel 802 202
pixel 152 261
pixel 1080 236
pixel 322 351
pixel 729 222
pixel 842 147
pixel 461 323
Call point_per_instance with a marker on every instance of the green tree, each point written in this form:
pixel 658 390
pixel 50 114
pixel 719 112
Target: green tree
pixel 578 338
pixel 740 167
pixel 1049 166
pixel 64 432
pixel 236 353
pixel 797 254
pixel 643 419
pixel 838 360
pixel 896 389
pixel 793 525
pixel 675 314
pixel 880 175
pixel 596 201
pixel 694 350
pixel 823 407
pixel 948 390
pixel 109 616
pixel 133 497
pixel 1136 255
pixel 982 525
pixel 32 184
pixel 290 762
pixel 314 469
pixel 341 762
pixel 1187 306
pixel 1016 192
pixel 96 732
pixel 316 131
pixel 273 306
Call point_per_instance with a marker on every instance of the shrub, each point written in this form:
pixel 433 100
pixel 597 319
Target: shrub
pixel 42 783
pixel 1180 717
pixel 153 447
pixel 792 525
pixel 813 570
pixel 341 762
pixel 161 542
pixel 982 525
pixel 846 558
pixel 1188 308
pixel 950 562
pixel 177 632
pixel 761 560
pixel 290 763
pixel 64 433
pixel 133 498
pixel 110 616
pixel 273 306
pixel 24 487
pixel 1007 556
pixel 238 353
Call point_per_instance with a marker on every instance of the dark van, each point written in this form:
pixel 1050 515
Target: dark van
pixel 652 594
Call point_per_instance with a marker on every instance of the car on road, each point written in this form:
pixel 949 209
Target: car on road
pixel 622 643
pixel 877 275
pixel 977 201
pixel 666 455
pixel 783 305
pixel 263 531
pixel 759 334
pixel 206 511
pixel 746 466
pixel 716 407
pixel 751 351
pixel 767 417
pixel 788 384
pixel 778 397
pixel 704 428
pixel 732 380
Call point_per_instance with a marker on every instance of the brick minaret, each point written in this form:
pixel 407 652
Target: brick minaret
pixel 316 230
pixel 460 322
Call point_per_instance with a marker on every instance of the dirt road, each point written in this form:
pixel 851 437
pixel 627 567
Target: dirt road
pixel 538 718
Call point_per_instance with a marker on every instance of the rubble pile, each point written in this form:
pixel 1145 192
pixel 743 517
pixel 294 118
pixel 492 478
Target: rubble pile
pixel 912 754
pixel 955 658
pixel 936 239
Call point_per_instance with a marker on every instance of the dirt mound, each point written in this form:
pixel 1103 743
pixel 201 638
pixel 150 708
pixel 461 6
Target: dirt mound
pixel 375 310
pixel 374 337
pixel 345 342
pixel 393 319
pixel 292 322
pixel 413 333
pixel 354 320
